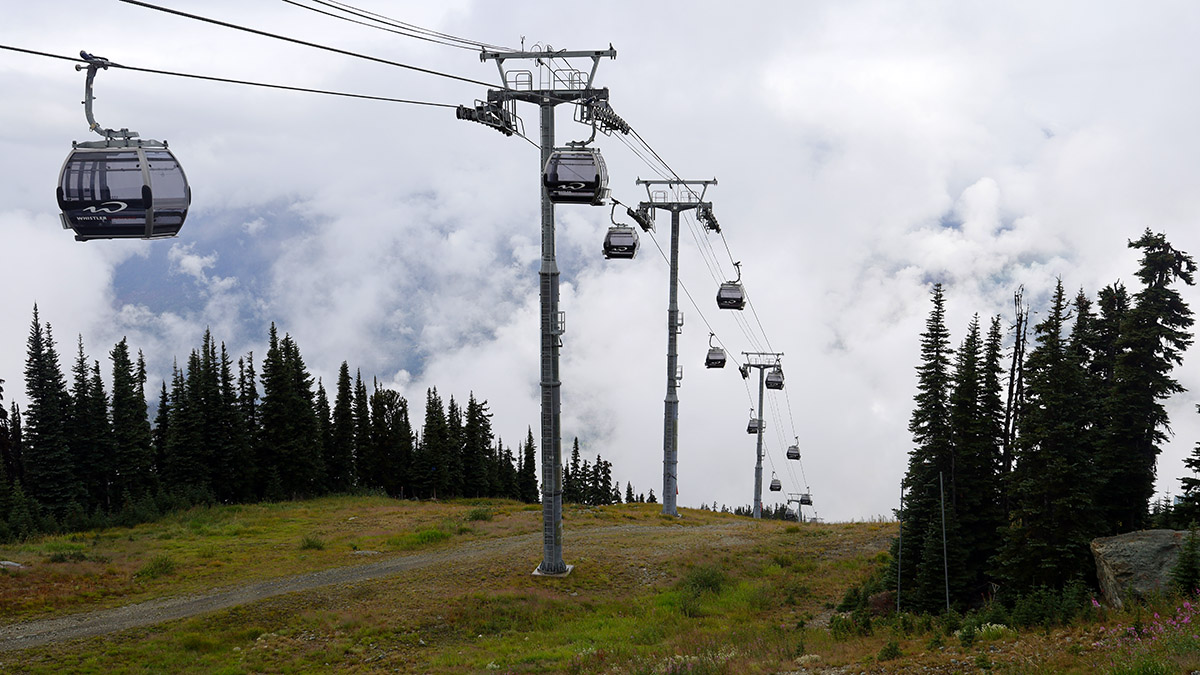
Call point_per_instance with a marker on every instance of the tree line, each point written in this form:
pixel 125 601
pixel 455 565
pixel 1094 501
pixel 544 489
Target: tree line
pixel 79 456
pixel 1033 455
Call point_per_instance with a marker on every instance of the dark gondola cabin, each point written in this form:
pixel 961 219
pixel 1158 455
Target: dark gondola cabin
pixel 776 486
pixel 775 378
pixel 123 192
pixel 731 296
pixel 715 358
pixel 806 499
pixel 576 176
pixel 793 452
pixel 621 242
pixel 754 425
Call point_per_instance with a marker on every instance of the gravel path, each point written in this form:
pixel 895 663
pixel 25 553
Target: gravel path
pixel 90 624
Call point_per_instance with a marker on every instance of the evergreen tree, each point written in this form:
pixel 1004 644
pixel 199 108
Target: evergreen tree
pixel 930 461
pixel 629 498
pixel 576 491
pixel 339 455
pixel 452 478
pixel 91 435
pixel 16 445
pixel 325 426
pixel 529 472
pixel 162 423
pixel 391 443
pixel 249 431
pixel 429 459
pixel 133 451
pixel 1153 339
pixel 51 477
pixel 1189 509
pixel 362 419
pixel 289 422
pixel 5 477
pixel 1053 485
pixel 476 442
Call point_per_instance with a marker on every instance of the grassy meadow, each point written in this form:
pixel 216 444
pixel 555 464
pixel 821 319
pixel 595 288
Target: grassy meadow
pixel 705 593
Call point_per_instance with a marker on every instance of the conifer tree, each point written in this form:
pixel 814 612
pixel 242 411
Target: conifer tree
pixel 387 464
pixel 1053 484
pixel 344 441
pixel 91 436
pixel 51 478
pixel 930 462
pixel 452 478
pixel 132 440
pixel 324 423
pixel 629 498
pixel 1153 338
pixel 362 419
pixel 289 424
pixel 477 439
pixel 251 431
pixel 973 487
pixel 529 467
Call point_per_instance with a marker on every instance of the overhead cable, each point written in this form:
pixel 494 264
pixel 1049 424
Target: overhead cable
pixel 335 50
pixel 232 81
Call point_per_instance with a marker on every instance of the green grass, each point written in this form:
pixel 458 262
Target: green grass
pixel 662 597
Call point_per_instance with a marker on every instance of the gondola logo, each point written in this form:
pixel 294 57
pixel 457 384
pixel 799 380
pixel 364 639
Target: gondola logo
pixel 104 208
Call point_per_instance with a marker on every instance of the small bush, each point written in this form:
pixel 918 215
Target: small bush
pixel 704 579
pixel 966 636
pixel 159 566
pixel 311 543
pixel 890 651
pixel 479 513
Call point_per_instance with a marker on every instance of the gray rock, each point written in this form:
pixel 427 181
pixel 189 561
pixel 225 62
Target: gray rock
pixel 1136 564
pixel 8 564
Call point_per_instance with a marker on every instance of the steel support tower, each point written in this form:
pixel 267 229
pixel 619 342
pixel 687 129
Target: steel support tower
pixel 674 326
pixel 761 361
pixel 554 87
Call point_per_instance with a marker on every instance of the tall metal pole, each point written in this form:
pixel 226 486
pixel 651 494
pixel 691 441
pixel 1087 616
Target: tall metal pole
pixel 671 403
pixel 758 462
pixel 552 530
pixel 945 559
pixel 565 85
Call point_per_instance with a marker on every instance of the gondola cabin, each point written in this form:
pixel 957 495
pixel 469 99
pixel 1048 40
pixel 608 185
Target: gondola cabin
pixel 715 358
pixel 793 452
pixel 792 514
pixel 806 499
pixel 621 242
pixel 776 486
pixel 731 296
pixel 755 425
pixel 123 192
pixel 775 378
pixel 576 176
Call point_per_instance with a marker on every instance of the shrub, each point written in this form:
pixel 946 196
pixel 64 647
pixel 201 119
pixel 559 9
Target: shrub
pixel 1185 575
pixel 479 513
pixel 311 543
pixel 160 565
pixel 704 579
pixel 890 651
pixel 966 635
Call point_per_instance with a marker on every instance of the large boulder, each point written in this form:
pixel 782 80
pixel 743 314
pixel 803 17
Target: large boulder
pixel 1136 564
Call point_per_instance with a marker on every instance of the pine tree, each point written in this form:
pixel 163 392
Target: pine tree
pixel 1189 509
pixel 629 498
pixel 250 431
pixel 930 461
pixel 289 421
pixel 477 439
pixel 51 478
pixel 1153 339
pixel 973 487
pixel 529 472
pixel 133 450
pixel 325 428
pixel 452 478
pixel 361 422
pixel 1053 485
pixel 339 456
pixel 91 435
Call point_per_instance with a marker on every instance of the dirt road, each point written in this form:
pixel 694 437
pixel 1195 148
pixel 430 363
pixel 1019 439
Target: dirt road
pixel 90 624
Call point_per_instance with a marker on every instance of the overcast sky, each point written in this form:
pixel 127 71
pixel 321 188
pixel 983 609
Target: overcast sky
pixel 864 150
